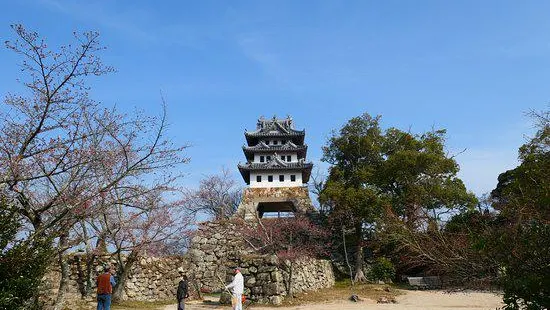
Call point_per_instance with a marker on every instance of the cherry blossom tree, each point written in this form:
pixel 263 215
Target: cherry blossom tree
pixel 63 156
pixel 290 239
pixel 146 225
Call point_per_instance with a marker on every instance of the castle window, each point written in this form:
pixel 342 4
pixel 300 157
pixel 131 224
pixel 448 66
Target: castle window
pixel 283 158
pixel 288 158
pixel 258 178
pixel 292 178
pixel 262 159
pixel 270 178
pixel 281 178
pixel 275 142
pixel 268 157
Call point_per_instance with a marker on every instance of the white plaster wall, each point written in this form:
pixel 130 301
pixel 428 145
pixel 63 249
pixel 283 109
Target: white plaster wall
pixel 294 156
pixel 276 182
pixel 279 141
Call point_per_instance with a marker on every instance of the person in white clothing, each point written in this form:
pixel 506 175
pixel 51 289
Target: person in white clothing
pixel 237 287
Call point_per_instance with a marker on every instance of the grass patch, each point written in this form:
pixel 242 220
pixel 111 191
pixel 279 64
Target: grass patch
pixel 142 305
pixel 81 305
pixel 342 290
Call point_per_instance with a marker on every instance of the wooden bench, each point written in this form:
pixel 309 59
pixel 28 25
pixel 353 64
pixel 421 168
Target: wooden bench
pixel 424 282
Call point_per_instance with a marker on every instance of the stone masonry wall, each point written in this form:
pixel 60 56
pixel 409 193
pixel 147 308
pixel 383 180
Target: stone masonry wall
pixel 155 278
pixel 311 275
pixel 216 249
pixel 150 279
pixel 266 279
pixel 211 248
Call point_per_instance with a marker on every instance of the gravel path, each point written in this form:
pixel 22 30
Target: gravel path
pixel 413 300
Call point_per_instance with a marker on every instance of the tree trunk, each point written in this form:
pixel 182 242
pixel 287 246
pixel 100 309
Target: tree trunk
pixel 89 269
pixel 80 277
pixel 85 276
pixel 64 281
pixel 124 269
pixel 346 256
pixel 290 270
pixel 85 282
pixel 359 275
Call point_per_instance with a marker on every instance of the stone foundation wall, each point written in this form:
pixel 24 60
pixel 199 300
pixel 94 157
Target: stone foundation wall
pixel 155 278
pixel 216 249
pixel 212 249
pixel 267 280
pixel 150 279
pixel 311 275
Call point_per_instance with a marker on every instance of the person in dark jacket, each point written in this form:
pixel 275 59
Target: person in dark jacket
pixel 182 292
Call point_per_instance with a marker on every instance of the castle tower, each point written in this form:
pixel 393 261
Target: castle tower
pixel 276 170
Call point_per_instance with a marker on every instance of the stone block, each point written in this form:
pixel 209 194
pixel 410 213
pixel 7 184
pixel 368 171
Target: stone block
pixel 256 290
pixel 217 236
pixel 208 248
pixel 250 282
pixel 263 277
pixel 272 289
pixel 276 276
pixel 272 260
pixel 276 300
pixel 267 268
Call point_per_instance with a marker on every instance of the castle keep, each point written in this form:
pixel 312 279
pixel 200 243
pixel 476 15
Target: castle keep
pixel 276 170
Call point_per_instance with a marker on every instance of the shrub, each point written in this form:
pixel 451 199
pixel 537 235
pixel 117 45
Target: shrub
pixel 23 263
pixel 382 269
pixel 526 265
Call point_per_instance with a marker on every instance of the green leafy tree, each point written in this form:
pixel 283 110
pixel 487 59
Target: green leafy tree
pixel 356 156
pixel 420 178
pixel 523 193
pixel 378 178
pixel 522 196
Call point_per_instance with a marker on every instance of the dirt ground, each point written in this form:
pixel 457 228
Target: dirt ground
pixel 426 300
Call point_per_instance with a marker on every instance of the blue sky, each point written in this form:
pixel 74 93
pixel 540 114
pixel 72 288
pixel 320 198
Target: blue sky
pixel 472 67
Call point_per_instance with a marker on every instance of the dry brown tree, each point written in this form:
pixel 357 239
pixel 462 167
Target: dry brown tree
pixel 218 196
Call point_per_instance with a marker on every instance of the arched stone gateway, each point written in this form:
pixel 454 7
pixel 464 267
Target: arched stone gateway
pixel 259 201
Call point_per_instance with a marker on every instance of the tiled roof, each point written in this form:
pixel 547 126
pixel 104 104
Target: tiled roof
pixel 274 133
pixel 261 147
pixel 274 128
